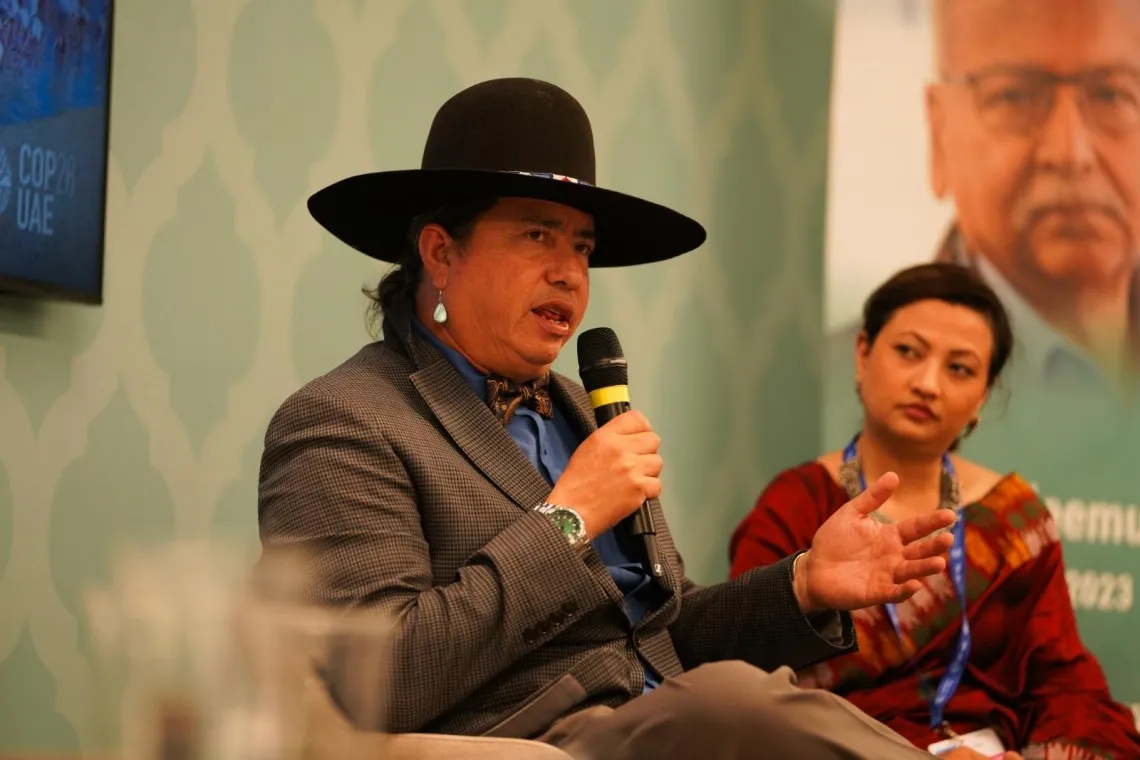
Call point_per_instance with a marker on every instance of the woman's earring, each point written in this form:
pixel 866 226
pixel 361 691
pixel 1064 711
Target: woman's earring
pixel 440 313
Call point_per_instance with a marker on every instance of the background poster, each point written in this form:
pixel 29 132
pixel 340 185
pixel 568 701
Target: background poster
pixel 1060 417
pixel 54 61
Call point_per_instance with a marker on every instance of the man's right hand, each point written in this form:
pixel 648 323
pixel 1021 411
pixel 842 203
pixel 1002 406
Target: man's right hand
pixel 611 473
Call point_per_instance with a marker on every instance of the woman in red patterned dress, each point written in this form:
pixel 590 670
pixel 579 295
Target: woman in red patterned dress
pixel 1011 675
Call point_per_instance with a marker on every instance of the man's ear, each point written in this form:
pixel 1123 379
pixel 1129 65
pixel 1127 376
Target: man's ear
pixel 435 246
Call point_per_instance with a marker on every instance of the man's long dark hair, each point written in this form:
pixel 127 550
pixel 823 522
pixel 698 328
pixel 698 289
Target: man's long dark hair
pixel 397 289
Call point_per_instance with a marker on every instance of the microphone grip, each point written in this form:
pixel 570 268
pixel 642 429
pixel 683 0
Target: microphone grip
pixel 640 522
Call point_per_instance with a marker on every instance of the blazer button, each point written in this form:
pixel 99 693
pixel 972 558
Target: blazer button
pixel 529 636
pixel 557 618
pixel 569 608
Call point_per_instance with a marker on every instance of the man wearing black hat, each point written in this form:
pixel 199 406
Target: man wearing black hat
pixel 447 476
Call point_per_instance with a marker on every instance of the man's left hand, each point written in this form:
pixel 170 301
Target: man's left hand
pixel 856 561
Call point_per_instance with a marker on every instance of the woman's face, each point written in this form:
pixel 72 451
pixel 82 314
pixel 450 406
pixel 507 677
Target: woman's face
pixel 925 376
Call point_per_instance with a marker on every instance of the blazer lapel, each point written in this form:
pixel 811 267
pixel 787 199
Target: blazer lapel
pixel 574 402
pixel 473 426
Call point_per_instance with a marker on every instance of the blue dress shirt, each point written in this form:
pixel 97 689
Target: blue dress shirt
pixel 548 444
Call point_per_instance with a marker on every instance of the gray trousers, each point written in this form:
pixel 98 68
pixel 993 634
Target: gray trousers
pixel 730 711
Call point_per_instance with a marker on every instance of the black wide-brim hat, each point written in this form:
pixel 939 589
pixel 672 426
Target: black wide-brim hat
pixel 504 138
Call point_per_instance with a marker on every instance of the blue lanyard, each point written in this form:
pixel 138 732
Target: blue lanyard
pixel 953 675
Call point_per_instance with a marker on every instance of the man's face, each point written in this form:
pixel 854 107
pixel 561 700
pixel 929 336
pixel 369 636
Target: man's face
pixel 519 289
pixel 1045 175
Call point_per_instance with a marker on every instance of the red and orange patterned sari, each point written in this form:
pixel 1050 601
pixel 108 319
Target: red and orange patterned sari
pixel 1029 676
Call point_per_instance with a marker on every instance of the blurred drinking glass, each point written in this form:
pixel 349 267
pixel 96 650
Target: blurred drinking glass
pixel 197 658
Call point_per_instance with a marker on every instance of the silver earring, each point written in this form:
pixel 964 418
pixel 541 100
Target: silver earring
pixel 440 313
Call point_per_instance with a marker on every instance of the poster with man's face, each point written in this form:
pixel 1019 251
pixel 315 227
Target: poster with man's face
pixel 1005 135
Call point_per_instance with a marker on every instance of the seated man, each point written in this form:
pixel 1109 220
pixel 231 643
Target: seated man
pixel 447 476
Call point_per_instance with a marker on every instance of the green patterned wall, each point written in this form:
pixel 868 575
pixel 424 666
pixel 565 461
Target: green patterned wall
pixel 143 420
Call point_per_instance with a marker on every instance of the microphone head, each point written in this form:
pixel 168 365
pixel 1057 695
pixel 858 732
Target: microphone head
pixel 601 363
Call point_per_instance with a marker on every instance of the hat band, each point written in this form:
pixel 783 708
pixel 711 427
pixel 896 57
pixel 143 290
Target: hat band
pixel 555 177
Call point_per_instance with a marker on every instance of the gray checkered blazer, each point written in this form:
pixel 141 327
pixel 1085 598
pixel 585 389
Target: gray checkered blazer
pixel 413 498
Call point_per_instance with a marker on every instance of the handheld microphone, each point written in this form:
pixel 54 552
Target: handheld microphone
pixel 604 373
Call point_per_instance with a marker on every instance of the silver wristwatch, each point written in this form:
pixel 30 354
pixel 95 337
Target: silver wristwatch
pixel 569 523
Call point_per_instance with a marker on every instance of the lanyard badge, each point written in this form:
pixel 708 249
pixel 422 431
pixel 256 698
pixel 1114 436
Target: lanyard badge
pixel 950 680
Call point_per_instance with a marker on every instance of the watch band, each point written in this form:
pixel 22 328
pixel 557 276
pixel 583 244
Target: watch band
pixel 568 522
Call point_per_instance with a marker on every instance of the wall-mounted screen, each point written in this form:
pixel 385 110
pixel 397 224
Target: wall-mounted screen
pixel 55 63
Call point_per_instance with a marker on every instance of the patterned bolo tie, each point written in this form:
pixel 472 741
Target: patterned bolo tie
pixel 506 396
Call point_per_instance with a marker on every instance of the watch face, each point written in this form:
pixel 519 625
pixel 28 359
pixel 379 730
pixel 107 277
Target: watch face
pixel 567 522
